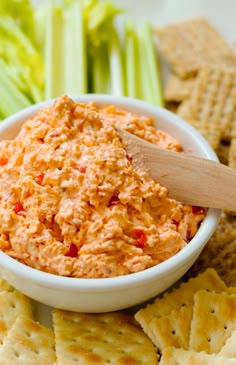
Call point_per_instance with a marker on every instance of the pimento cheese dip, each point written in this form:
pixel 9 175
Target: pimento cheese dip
pixel 71 202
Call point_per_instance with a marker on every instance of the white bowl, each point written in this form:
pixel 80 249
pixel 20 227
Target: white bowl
pixel 109 294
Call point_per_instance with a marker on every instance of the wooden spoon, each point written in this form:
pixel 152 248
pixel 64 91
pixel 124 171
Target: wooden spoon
pixel 189 179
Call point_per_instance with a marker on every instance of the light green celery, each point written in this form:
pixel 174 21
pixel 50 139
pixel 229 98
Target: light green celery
pixel 9 28
pixel 11 99
pixel 145 89
pixel 32 80
pixel 5 101
pixel 131 62
pixel 117 77
pixel 26 70
pixel 18 51
pixel 54 51
pixel 100 71
pixel 150 68
pixel 39 16
pixel 22 12
pixel 31 68
pixel 75 55
pixel 14 73
pixel 99 19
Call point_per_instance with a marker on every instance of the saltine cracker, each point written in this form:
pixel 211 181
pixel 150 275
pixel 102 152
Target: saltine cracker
pixel 101 338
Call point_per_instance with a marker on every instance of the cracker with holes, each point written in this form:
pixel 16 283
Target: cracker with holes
pixel 12 304
pixel 172 329
pixel 181 296
pixel 185 45
pixel 229 348
pixel 174 356
pixel 178 89
pixel 211 108
pixel 213 320
pixel 27 343
pixel 220 252
pixel 88 339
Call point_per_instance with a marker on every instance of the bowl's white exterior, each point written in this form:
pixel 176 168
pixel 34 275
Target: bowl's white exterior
pixel 101 295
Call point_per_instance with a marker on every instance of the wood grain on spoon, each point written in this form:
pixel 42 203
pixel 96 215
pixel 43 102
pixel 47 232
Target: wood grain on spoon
pixel 189 179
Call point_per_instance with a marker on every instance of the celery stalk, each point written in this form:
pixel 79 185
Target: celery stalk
pixel 39 16
pixel 9 27
pixel 21 55
pixel 100 71
pixel 75 51
pixel 99 19
pixel 116 66
pixel 151 65
pixel 131 62
pixel 22 12
pixel 14 75
pixel 145 88
pixel 37 94
pixel 54 53
pixel 12 100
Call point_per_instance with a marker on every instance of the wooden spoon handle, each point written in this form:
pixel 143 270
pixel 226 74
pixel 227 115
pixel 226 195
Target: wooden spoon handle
pixel 189 179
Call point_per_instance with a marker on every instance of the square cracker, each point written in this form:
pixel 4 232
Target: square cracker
pixel 172 329
pixel 185 45
pixel 210 131
pixel 178 89
pixel 178 297
pixel 174 356
pixel 27 343
pixel 213 320
pixel 90 339
pixel 229 348
pixel 211 106
pixel 220 252
pixel 12 304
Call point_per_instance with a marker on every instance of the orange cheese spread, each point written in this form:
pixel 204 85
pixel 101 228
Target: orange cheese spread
pixel 72 204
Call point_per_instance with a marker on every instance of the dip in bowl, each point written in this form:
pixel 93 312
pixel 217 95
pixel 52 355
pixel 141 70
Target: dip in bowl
pixel 81 230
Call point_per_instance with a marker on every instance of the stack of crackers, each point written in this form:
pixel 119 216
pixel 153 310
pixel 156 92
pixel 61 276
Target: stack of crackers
pixel 193 323
pixel 76 338
pixel 202 81
pixel 201 89
pixel 23 340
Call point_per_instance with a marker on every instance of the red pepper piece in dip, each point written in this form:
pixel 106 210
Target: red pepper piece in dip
pixel 141 238
pixel 72 251
pixel 176 223
pixel 198 210
pixel 113 201
pixel 80 168
pixel 39 178
pixel 18 208
pixel 3 161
